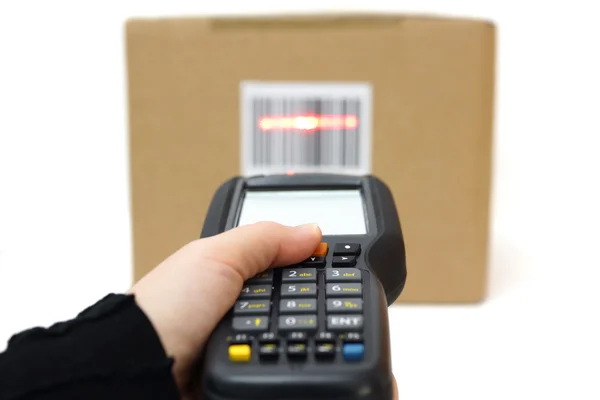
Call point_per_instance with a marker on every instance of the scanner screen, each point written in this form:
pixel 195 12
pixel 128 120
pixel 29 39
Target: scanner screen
pixel 338 212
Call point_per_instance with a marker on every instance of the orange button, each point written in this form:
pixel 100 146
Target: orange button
pixel 321 250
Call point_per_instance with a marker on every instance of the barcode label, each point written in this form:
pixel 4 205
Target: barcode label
pixel 305 127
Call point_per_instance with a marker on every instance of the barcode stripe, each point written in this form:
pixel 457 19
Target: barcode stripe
pixel 331 144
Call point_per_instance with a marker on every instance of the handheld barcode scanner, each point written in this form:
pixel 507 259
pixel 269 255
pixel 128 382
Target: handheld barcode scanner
pixel 319 329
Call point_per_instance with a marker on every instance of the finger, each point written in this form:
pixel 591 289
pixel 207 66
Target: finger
pixel 395 391
pixel 253 248
pixel 190 292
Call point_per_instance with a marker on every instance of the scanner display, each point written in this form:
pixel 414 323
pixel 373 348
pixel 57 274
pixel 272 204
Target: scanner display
pixel 338 212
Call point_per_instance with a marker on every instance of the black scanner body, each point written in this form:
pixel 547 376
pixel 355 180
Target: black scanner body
pixel 382 262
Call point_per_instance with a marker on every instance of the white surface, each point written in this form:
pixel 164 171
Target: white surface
pixel 64 217
pixel 338 212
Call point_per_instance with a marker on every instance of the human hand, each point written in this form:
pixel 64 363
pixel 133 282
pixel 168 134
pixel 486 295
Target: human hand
pixel 187 295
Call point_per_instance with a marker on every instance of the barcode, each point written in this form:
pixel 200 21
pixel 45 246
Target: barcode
pixel 306 128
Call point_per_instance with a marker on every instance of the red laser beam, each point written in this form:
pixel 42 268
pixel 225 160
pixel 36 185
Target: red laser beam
pixel 308 123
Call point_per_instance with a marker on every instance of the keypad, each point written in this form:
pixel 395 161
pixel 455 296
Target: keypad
pixel 315 307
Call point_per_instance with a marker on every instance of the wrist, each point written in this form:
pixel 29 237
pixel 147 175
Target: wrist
pixel 173 339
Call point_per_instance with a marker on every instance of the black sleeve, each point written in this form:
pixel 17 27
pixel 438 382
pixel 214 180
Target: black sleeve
pixel 110 351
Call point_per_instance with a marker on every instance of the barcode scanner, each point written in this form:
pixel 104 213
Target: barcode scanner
pixel 317 329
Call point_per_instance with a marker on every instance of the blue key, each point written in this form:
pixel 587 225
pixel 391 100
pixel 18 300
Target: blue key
pixel 354 351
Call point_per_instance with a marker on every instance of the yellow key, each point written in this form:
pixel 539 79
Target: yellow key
pixel 239 353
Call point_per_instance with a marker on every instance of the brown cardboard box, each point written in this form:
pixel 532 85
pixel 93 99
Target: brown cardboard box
pixel 432 82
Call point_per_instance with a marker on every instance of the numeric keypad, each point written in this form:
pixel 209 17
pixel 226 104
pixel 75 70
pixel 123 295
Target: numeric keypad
pixel 300 309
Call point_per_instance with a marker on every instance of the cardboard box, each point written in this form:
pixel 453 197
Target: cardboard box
pixel 431 118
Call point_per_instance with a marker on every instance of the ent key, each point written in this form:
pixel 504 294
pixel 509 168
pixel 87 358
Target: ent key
pixel 344 323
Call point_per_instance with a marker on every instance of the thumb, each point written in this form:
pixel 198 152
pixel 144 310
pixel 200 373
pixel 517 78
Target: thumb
pixel 253 248
pixel 190 291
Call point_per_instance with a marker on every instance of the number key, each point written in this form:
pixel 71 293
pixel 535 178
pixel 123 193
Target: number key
pixel 256 292
pixel 344 289
pixel 298 306
pixel 245 307
pixel 299 275
pixel 299 290
pixel 263 277
pixel 344 305
pixel 298 323
pixel 343 275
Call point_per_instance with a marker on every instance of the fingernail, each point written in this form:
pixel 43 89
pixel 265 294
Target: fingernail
pixel 309 228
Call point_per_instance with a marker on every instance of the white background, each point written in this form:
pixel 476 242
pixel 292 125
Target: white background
pixel 64 218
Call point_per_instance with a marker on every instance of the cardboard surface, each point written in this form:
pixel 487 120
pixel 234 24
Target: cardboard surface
pixel 433 84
